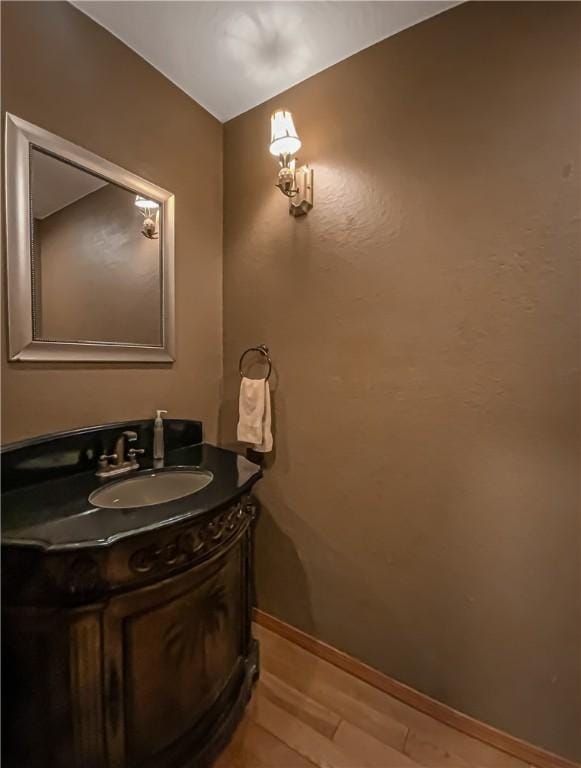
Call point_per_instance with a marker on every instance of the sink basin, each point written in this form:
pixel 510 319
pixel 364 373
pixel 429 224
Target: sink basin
pixel 149 489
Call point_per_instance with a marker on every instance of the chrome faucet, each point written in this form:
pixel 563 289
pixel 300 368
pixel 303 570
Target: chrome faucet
pixel 116 463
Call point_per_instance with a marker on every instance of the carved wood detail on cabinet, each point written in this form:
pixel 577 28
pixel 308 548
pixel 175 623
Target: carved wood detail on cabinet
pixel 77 577
pixel 196 540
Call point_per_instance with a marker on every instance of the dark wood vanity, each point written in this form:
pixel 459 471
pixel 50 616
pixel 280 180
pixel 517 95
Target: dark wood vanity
pixel 133 646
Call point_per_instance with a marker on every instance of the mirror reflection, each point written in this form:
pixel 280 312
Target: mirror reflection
pixel 96 258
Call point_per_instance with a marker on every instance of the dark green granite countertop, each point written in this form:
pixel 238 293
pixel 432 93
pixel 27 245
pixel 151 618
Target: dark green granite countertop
pixel 56 514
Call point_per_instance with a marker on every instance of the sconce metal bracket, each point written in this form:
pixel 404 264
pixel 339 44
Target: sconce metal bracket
pixel 302 202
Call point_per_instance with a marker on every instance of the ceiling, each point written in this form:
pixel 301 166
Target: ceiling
pixel 56 184
pixel 231 56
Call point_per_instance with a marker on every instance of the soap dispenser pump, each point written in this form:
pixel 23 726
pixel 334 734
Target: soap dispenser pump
pixel 158 443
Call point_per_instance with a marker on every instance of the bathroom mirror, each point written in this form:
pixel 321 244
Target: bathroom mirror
pixel 89 255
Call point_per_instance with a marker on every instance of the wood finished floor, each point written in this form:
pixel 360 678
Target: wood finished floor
pixel 306 713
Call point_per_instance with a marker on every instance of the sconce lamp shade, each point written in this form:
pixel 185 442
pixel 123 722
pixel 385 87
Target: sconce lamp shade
pixel 144 203
pixel 284 139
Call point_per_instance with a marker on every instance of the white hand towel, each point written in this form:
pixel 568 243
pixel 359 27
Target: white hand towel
pixel 266 445
pixel 254 419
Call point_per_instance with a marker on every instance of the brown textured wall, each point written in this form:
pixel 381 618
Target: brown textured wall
pixel 67 74
pixel 422 509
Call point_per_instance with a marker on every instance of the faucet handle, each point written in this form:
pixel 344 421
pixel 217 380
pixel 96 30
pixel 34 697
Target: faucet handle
pixel 105 458
pixel 131 454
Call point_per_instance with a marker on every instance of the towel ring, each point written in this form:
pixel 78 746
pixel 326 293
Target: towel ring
pixel 261 349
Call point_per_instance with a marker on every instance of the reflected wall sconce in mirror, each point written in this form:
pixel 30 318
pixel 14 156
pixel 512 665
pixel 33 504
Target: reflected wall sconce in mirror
pixel 149 210
pixel 295 183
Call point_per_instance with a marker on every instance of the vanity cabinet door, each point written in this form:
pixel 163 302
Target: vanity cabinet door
pixel 170 651
pixel 52 706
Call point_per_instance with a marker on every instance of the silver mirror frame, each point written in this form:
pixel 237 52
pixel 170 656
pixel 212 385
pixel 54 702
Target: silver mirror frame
pixel 20 137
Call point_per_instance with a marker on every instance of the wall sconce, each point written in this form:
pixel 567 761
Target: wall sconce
pixel 150 211
pixel 295 183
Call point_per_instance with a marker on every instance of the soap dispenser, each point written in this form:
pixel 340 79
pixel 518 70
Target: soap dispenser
pixel 158 444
